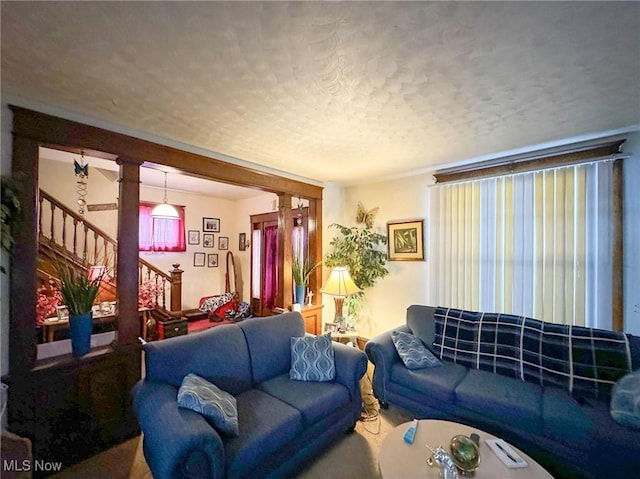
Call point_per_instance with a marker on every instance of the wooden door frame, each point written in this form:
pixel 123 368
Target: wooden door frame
pixel 32 129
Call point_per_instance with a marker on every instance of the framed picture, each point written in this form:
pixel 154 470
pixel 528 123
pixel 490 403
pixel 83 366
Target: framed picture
pixel 194 237
pixel 330 327
pixel 198 260
pixel 242 241
pixel 207 240
pixel 212 260
pixel 406 240
pixel 211 225
pixel 223 242
pixel 62 312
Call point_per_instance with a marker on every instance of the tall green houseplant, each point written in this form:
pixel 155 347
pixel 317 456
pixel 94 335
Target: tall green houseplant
pixel 359 249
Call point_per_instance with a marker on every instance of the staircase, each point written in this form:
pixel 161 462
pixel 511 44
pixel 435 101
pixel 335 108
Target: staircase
pixel 63 235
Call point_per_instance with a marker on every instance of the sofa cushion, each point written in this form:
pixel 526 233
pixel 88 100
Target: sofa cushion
pixel 438 382
pixel 310 398
pixel 625 400
pixel 413 352
pixel 219 355
pixel 218 406
pixel 312 359
pixel 266 424
pixel 499 344
pixel 501 399
pixel 564 419
pixel 269 345
pixel 455 337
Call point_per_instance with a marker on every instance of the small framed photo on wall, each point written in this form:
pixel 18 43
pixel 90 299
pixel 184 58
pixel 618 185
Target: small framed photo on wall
pixel 211 225
pixel 242 241
pixel 223 242
pixel 406 240
pixel 212 260
pixel 198 260
pixel 194 237
pixel 207 240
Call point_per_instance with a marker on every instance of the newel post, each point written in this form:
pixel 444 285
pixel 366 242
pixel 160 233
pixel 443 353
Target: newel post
pixel 176 287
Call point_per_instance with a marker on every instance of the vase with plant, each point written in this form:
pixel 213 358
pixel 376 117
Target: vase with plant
pixel 78 293
pixel 358 248
pixel 301 271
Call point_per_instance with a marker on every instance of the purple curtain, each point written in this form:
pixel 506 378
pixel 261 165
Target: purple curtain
pixel 270 287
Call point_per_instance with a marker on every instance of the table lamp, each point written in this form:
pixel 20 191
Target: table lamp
pixel 340 285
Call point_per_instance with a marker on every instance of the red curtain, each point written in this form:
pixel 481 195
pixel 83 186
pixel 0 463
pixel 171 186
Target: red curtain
pixel 270 288
pixel 158 234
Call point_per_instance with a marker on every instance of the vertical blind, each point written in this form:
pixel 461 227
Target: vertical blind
pixel 536 244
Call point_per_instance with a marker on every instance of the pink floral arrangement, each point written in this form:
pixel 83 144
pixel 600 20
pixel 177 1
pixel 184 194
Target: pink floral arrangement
pixel 148 293
pixel 48 297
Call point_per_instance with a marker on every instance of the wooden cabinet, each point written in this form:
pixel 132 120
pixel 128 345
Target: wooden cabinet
pixel 312 318
pixel 71 408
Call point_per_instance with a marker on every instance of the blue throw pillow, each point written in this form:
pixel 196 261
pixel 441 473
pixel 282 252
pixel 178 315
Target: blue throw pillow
pixel 625 400
pixel 413 352
pixel 312 359
pixel 206 398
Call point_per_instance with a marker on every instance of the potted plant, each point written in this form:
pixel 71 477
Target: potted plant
pixel 11 213
pixel 357 248
pixel 78 293
pixel 301 271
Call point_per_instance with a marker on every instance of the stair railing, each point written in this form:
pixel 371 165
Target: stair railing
pixel 67 233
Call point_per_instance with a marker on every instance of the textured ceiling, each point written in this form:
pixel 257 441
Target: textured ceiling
pixel 333 91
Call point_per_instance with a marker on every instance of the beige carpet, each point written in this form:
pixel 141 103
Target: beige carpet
pixel 355 456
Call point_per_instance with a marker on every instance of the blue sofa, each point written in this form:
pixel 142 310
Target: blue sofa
pixel 283 423
pixel 496 384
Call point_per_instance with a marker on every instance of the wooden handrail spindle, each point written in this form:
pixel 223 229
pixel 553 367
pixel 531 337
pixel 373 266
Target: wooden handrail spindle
pixel 75 237
pixel 64 229
pixel 85 248
pixel 52 230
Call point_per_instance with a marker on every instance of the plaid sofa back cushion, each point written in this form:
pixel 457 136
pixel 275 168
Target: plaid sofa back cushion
pixel 585 361
pixel 455 337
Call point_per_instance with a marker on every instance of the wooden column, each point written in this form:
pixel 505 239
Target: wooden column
pixel 285 251
pixel 315 246
pixel 23 281
pixel 129 326
pixel 618 248
pixel 176 287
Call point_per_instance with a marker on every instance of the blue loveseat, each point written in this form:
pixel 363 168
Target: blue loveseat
pixel 283 423
pixel 544 388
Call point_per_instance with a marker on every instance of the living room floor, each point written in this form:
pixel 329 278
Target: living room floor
pixel 354 457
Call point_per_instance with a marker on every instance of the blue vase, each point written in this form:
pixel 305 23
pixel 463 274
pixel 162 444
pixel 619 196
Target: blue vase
pixel 80 329
pixel 300 293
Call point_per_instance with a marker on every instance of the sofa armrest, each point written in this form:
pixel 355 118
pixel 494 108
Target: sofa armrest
pixel 178 442
pixel 351 364
pixel 382 353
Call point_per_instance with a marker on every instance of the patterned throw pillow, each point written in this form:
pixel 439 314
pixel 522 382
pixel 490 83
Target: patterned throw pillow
pixel 413 353
pixel 312 359
pixel 625 400
pixel 219 406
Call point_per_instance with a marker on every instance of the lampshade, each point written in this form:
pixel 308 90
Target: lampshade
pixel 165 210
pixel 340 283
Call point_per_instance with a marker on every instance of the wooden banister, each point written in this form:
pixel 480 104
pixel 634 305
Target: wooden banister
pixel 98 248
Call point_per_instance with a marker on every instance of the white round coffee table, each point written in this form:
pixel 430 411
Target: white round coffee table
pixel 398 460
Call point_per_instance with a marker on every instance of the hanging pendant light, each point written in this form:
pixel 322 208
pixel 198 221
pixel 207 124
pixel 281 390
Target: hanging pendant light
pixel 165 210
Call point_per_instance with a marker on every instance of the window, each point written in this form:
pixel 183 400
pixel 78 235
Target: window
pixel 161 234
pixel 537 244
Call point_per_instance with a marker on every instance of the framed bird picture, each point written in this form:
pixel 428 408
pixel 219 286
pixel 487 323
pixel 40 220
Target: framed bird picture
pixel 406 240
